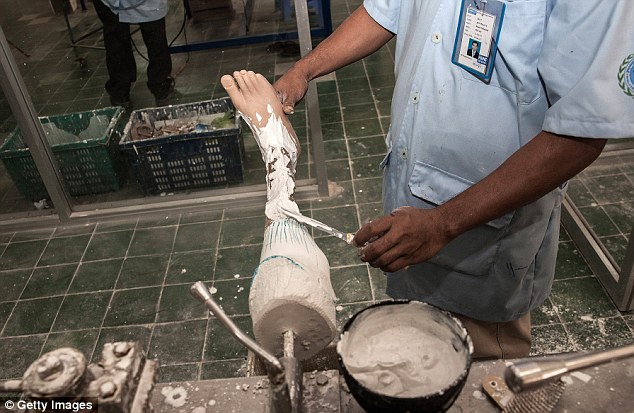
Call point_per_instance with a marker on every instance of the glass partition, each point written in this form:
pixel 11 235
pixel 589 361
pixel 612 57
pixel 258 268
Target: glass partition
pixel 103 155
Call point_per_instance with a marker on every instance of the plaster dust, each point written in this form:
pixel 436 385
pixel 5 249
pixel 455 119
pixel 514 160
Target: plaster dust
pixel 404 350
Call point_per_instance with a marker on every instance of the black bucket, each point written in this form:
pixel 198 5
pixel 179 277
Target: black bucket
pixel 451 356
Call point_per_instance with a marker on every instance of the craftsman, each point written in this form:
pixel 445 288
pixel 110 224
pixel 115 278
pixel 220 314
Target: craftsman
pixel 116 16
pixel 480 151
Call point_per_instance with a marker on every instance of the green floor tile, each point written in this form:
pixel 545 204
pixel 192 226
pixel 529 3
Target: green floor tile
pixel 366 146
pixel 64 250
pixel 338 170
pixel 223 369
pixel 367 167
pixel 370 211
pixel 82 311
pixel 152 241
pixel 96 275
pixel 338 252
pixel 233 295
pixel 368 190
pixel 108 245
pixel 199 236
pixel 178 342
pixel 622 214
pixel 570 263
pixel 13 283
pixel 599 221
pixel 82 340
pixel 136 306
pixel 178 373
pixel 378 279
pixel 549 339
pixel 332 131
pixel 351 284
pixel 237 262
pixel 22 254
pixel 49 281
pixel 17 355
pixel 359 112
pixel 145 271
pixel 32 316
pixel 576 299
pixel 178 304
pixel 611 189
pixel 5 311
pixel 189 267
pixel 32 235
pixel 544 314
pixel 221 345
pixel 238 232
pixel 335 150
pixel 600 333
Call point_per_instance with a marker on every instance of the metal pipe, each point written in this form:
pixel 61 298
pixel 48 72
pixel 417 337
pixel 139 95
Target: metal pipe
pixel 280 396
pixel 531 373
pixel 200 291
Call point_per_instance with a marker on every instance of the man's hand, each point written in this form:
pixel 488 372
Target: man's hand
pixel 291 88
pixel 407 236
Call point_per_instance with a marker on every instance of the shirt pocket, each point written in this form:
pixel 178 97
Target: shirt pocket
pixel 519 47
pixel 474 251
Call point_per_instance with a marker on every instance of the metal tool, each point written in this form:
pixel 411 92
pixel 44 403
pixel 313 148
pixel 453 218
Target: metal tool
pixel 345 236
pixel 531 373
pixel 540 400
pixel 285 375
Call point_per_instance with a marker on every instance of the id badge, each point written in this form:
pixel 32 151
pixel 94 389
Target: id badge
pixel 477 36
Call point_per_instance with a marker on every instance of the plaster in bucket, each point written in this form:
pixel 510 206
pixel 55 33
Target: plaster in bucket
pixel 404 351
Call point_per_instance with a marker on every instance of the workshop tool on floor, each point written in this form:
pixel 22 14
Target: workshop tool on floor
pixel 531 373
pixel 121 381
pixel 345 236
pixel 285 374
pixel 540 400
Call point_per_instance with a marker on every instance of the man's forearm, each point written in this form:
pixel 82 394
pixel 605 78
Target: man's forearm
pixel 357 37
pixel 540 166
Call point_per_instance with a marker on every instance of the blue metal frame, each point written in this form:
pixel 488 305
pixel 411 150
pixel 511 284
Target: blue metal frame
pixel 237 41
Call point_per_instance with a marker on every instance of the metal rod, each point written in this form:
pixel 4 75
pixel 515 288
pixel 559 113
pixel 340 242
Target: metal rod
pixel 531 373
pixel 281 401
pixel 201 292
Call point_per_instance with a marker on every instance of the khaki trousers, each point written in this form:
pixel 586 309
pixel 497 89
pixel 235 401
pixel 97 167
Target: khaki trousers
pixel 507 340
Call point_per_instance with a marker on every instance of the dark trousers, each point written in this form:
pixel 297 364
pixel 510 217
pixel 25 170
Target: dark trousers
pixel 120 57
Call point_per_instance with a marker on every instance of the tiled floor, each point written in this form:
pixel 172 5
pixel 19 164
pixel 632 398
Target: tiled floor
pixel 83 286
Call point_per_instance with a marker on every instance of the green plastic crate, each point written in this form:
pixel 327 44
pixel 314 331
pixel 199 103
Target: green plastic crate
pixel 85 145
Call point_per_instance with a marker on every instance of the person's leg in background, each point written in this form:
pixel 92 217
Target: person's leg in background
pixel 499 340
pixel 159 69
pixel 119 56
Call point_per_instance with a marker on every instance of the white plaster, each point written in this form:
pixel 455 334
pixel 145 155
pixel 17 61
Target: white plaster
pixel 279 152
pixel 404 350
pixel 581 376
pixel 175 397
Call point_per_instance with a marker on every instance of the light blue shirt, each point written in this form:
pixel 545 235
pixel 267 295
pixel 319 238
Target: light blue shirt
pixel 559 68
pixel 137 11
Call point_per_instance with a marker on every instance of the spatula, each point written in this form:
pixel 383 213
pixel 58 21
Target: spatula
pixel 345 236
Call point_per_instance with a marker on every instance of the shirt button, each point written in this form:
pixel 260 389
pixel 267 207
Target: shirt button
pixel 415 98
pixel 403 153
pixel 436 37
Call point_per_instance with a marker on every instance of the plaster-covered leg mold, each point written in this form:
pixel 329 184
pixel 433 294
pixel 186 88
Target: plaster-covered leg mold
pixel 291 287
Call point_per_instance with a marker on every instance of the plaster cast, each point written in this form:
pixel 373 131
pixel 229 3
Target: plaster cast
pixel 291 289
pixel 403 350
pixel 279 152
